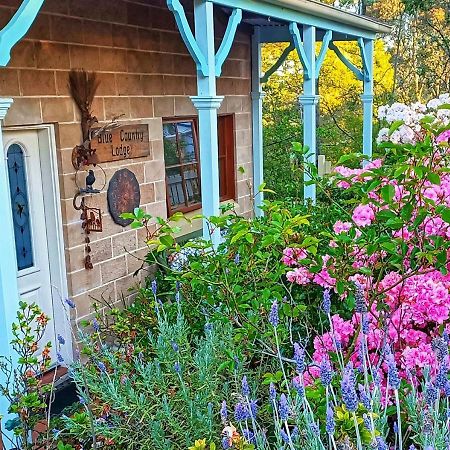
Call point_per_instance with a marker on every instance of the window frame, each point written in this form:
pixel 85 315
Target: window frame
pixel 187 208
pixel 229 155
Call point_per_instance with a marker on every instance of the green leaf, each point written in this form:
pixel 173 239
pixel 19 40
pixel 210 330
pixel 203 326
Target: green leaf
pixel 434 178
pixel 395 126
pixel 167 240
pixel 445 214
pixel 388 193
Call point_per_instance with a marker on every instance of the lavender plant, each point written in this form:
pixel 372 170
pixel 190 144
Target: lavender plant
pixel 335 405
pixel 158 399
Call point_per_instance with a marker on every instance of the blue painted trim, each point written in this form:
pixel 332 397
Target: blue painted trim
pixel 365 60
pixel 289 15
pixel 323 51
pixel 185 30
pixel 293 28
pixel 228 38
pixel 17 27
pixel 358 73
pixel 278 63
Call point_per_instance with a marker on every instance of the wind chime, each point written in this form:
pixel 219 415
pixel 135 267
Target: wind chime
pixel 83 86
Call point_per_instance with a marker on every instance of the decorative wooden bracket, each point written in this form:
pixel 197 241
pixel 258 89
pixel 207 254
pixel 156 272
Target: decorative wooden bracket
pixel 365 60
pixel 358 73
pixel 278 63
pixel 183 26
pixel 191 43
pixel 323 51
pixel 228 38
pixel 17 27
pixel 293 29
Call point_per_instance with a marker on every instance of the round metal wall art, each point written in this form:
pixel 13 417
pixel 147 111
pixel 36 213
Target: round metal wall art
pixel 124 195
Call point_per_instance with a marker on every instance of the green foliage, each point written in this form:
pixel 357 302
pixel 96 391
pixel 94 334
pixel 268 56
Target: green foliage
pixel 159 399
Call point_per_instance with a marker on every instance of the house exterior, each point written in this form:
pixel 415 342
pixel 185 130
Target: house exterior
pixel 192 100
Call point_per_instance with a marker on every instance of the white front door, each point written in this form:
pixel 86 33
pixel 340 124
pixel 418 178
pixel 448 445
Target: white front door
pixel 33 235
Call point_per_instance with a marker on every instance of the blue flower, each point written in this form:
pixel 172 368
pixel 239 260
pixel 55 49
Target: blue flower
pixel 272 393
pixel 330 425
pixel 440 346
pixel 381 445
pixel 349 396
pixel 95 325
pixel 431 394
pixel 70 303
pixel 299 358
pixel 224 411
pixel 393 378
pixel 101 366
pixel 273 315
pixel 154 287
pixel 237 259
pixel 315 428
pixel 326 301
pixel 61 340
pixel 175 346
pixel 367 422
pixel 365 324
pixel 177 367
pixel 284 436
pixel 360 300
pixel 241 412
pixel 253 408
pixel 365 400
pixel 249 436
pixel 245 387
pixel 326 373
pixel 59 358
pixel 395 427
pixel 226 443
pixel 441 376
pixel 283 407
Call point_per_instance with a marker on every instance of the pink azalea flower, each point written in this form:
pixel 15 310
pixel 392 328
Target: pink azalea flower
pixel 363 215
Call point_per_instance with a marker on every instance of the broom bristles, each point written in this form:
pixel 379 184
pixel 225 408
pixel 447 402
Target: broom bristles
pixel 83 86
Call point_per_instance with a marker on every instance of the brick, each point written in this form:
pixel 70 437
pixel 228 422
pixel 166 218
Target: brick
pixel 158 149
pixel 123 243
pixel 40 29
pixel 69 135
pixel 62 85
pixel 37 82
pixel 155 171
pixel 125 36
pixel 173 85
pixel 138 14
pixel 24 111
pixel 164 106
pixel 141 107
pixel 190 85
pixel 243 121
pixel 22 55
pixel 107 84
pixel 128 84
pixel 56 6
pixel 160 191
pixel 152 84
pixel 147 193
pixel 155 129
pixel 149 40
pixel 184 107
pixel 50 55
pixel 162 19
pixel 9 82
pixel 113 269
pixel 57 109
pixel 136 259
pixel 97 33
pixel 172 43
pixel 83 280
pixel 142 62
pixel 158 209
pixel 83 57
pixel 165 63
pixel 126 286
pixel 117 106
pixel 113 60
pixel 67 29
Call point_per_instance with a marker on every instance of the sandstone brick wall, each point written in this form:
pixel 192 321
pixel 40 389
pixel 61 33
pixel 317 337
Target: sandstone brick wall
pixel 146 74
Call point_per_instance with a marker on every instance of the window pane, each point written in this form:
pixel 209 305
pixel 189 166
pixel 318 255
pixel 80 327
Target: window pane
pixel 20 206
pixel 171 153
pixel 192 184
pixel 175 187
pixel 186 142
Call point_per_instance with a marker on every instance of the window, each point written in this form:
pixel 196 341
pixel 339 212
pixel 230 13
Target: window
pixel 181 154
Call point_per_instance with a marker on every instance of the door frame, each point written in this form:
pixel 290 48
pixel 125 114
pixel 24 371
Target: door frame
pixel 54 227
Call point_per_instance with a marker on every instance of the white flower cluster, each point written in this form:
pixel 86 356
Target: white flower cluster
pixel 411 115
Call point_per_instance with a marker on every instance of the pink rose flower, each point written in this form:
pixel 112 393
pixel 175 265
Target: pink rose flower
pixel 363 215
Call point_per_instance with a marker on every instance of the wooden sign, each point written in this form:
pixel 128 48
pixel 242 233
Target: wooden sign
pixel 124 142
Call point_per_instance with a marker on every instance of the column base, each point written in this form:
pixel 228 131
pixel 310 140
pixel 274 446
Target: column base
pixel 309 99
pixel 207 102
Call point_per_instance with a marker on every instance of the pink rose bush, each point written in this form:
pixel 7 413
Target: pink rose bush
pixel 391 252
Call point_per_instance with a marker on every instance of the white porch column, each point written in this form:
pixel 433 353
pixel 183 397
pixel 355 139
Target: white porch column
pixel 207 103
pixel 9 294
pixel 367 99
pixel 309 100
pixel 257 128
